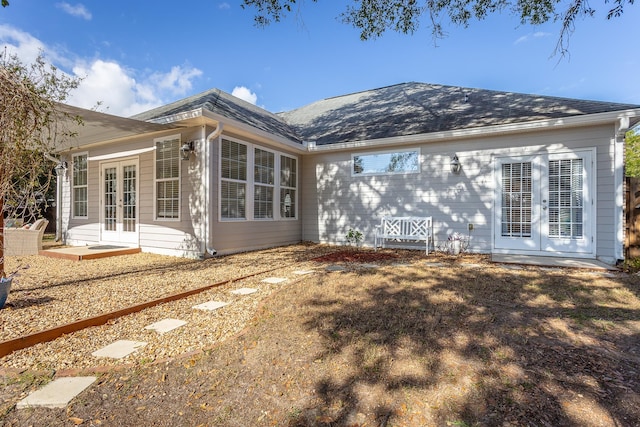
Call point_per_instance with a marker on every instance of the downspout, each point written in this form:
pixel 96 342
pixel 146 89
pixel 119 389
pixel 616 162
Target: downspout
pixel 622 126
pixel 207 249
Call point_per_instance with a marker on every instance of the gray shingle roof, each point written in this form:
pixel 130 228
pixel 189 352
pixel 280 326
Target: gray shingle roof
pixel 228 106
pixel 417 108
pixel 392 111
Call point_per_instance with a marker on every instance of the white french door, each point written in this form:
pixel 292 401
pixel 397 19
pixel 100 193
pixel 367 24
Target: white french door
pixel 119 202
pixel 544 203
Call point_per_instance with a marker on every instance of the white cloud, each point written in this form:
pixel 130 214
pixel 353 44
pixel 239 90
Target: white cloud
pixel 244 93
pixel 107 83
pixel 224 6
pixel 78 10
pixel 19 43
pixel 178 80
pixel 118 90
pixel 531 36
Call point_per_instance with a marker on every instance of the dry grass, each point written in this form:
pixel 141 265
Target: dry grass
pixel 462 344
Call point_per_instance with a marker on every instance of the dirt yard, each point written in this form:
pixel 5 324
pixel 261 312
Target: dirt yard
pixel 392 338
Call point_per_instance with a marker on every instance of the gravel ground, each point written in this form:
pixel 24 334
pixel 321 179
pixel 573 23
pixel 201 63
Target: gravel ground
pixel 54 292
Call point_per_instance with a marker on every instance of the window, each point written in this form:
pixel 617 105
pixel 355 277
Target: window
pixel 168 178
pixel 264 169
pixel 386 163
pixel 80 193
pixel 288 184
pixel 516 199
pixel 233 174
pixel 256 183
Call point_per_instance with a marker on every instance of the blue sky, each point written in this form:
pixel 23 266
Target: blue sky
pixel 137 55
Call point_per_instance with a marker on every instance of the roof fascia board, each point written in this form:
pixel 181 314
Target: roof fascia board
pixel 180 117
pixel 566 122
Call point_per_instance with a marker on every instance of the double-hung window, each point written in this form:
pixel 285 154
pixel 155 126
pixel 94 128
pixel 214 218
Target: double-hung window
pixel 264 174
pixel 233 180
pixel 80 194
pixel 168 178
pixel 288 185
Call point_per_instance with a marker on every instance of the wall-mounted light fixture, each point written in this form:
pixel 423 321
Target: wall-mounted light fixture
pixel 186 150
pixel 60 168
pixel 456 166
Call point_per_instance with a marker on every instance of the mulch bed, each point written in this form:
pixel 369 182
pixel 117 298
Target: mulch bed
pixel 356 256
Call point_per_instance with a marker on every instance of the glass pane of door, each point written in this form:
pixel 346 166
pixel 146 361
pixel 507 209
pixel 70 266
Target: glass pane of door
pixel 110 198
pixel 516 199
pixel 566 199
pixel 129 198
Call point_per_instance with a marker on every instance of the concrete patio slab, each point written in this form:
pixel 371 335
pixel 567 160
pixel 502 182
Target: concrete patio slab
pixel 511 266
pixel 57 394
pixel 166 325
pixel 210 305
pixel 119 349
pixel 244 291
pixel 274 280
pixel 550 261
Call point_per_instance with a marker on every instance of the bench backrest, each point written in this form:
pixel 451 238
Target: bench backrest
pixel 406 227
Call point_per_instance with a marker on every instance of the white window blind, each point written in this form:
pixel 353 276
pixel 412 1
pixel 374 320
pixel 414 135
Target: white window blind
pixel 168 179
pixel 80 186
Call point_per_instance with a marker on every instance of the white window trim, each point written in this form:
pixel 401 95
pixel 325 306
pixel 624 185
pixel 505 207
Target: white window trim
pixel 370 153
pixel 156 180
pixel 296 189
pixel 73 187
pixel 250 183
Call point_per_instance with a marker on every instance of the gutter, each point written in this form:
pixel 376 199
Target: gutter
pixel 207 249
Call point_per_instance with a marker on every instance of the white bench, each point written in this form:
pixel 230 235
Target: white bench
pixel 406 228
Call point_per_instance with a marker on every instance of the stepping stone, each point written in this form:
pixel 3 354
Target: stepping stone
pixel 303 272
pixel 57 394
pixel 119 349
pixel 369 266
pixel 335 268
pixel 511 267
pixel 210 305
pixel 274 280
pixel 401 264
pixel 166 325
pixel 433 264
pixel 469 265
pixel 244 291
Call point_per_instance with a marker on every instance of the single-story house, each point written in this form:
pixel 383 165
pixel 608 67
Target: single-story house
pixel 512 173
